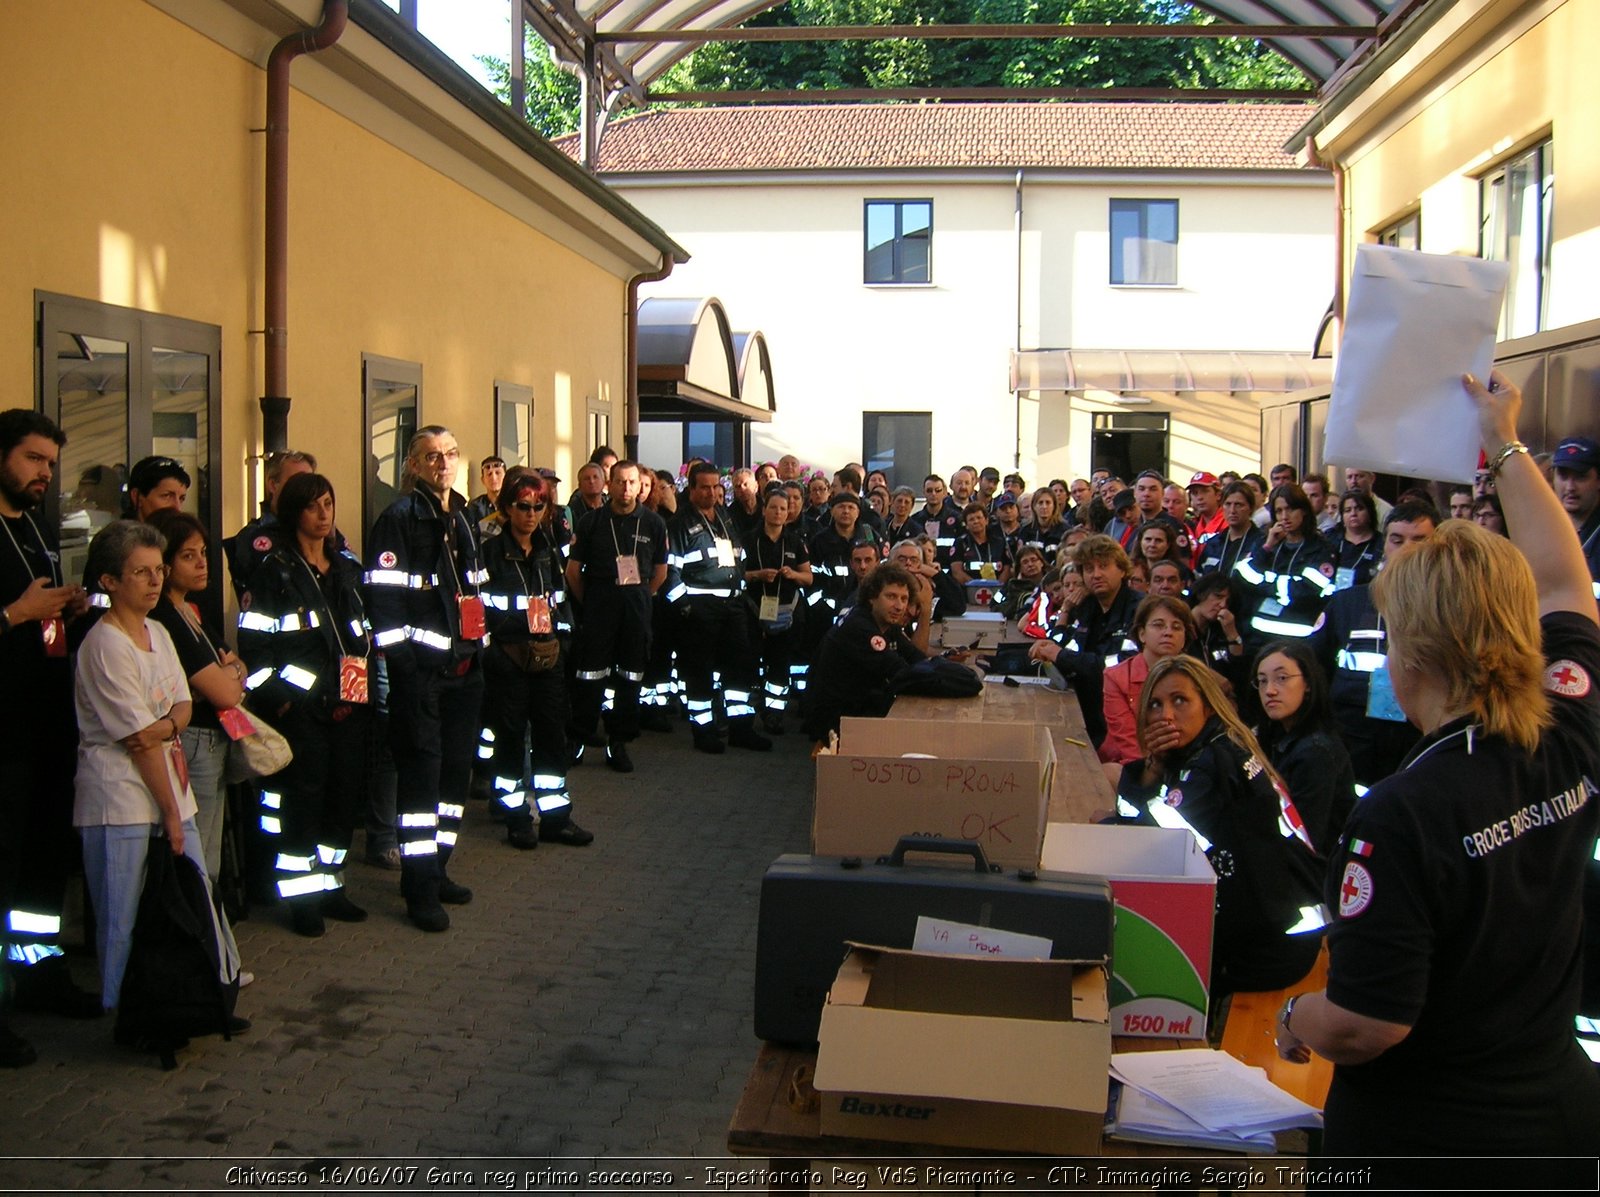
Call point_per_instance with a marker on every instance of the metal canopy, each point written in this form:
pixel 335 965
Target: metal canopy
pixel 620 47
pixel 1166 371
pixel 690 364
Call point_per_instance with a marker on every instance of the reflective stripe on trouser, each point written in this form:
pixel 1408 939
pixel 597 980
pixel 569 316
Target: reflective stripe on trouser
pixel 614 646
pixel 433 727
pixel 305 876
pixel 31 935
pixel 716 659
pixel 529 712
pixel 315 802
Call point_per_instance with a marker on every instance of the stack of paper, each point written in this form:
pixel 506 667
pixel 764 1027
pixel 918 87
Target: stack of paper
pixel 1202 1098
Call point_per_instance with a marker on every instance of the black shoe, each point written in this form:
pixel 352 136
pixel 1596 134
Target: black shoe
pixel 428 918
pixel 568 833
pixel 596 739
pixel 525 837
pixel 419 885
pixel 772 721
pixel 709 742
pixel 480 788
pixel 338 907
pixel 745 736
pixel 15 1051
pixel 389 859
pixel 124 1036
pixel 617 757
pixel 307 920
pixel 655 719
pixel 453 893
pixel 235 1026
pixel 498 811
pixel 48 988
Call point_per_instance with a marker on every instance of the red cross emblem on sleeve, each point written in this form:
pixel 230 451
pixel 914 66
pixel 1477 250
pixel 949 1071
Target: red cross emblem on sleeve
pixel 1355 890
pixel 1566 678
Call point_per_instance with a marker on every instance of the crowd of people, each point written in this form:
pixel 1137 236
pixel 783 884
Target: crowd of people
pixel 1228 638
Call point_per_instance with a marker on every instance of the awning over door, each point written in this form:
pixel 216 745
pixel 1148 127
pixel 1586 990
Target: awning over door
pixel 689 368
pixel 1166 371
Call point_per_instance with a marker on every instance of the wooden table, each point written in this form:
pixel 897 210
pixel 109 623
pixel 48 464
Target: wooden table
pixel 1080 787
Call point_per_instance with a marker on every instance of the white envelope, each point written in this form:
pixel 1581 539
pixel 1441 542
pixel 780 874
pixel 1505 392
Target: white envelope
pixel 1414 324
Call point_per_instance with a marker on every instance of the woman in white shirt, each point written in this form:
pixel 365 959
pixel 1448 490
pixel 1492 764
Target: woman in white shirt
pixel 133 701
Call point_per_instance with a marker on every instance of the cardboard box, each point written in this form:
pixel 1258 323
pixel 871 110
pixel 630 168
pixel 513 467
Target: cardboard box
pixel 1165 894
pixel 961 1051
pixel 981 782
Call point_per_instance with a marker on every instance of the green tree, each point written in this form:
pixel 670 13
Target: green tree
pixel 553 93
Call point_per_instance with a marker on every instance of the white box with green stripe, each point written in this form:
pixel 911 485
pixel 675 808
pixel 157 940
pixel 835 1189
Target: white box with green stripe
pixel 1165 895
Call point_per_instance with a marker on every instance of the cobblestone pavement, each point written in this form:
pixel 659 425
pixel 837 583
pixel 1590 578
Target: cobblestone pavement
pixel 589 1002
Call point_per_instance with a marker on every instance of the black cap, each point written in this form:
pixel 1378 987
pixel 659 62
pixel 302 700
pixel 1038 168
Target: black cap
pixel 845 496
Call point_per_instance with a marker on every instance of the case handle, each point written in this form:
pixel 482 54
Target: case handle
pixel 944 847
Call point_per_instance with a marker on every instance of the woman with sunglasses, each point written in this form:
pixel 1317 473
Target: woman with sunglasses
pixel 526 700
pixel 1302 741
pixel 305 640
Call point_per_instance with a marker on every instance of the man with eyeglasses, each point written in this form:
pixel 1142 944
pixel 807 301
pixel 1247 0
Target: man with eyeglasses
pixel 618 562
pixel 258 539
pixel 424 601
pixel 38 737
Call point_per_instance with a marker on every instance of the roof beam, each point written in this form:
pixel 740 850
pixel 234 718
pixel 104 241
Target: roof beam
pixel 852 95
pixel 1038 32
pixel 585 32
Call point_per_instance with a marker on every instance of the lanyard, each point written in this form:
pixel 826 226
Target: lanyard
pixel 523 577
pixel 1292 560
pixel 196 629
pixel 55 576
pixel 761 539
pixel 333 620
pixel 638 521
pixel 1463 731
pixel 1366 553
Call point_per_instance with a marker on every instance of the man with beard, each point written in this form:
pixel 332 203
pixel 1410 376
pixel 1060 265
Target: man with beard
pixel 38 737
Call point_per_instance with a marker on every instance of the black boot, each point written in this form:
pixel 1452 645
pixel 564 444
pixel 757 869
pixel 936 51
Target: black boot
pixel 15 1051
pixel 451 893
pixel 419 885
pixel 305 915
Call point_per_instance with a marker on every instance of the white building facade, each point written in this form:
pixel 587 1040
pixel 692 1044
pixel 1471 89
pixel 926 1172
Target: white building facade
pixel 1040 287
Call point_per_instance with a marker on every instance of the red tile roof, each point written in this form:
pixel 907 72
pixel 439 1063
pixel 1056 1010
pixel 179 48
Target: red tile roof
pixel 1117 136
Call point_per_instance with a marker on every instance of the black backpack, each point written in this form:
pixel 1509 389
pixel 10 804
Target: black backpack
pixel 181 981
pixel 935 677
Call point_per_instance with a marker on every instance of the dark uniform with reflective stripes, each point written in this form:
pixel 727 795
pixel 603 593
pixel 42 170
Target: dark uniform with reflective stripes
pixel 855 668
pixel 1218 554
pixel 1288 585
pixel 705 585
pixel 38 757
pixel 614 640
pixel 297 629
pixel 943 525
pixel 1092 640
pixel 1352 646
pixel 422 567
pixel 781 666
pixel 526 704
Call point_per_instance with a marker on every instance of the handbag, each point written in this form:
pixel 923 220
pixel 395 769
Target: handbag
pixel 260 754
pixel 532 656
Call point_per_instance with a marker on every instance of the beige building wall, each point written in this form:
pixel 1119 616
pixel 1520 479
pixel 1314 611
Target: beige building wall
pixel 1512 76
pixel 131 177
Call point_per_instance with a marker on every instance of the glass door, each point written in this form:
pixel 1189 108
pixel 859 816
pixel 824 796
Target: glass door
pixel 123 385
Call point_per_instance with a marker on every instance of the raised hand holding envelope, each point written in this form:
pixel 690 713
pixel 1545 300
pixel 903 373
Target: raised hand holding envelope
pixel 1414 324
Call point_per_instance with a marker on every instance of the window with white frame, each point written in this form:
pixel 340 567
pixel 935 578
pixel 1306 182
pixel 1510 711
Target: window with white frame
pixel 899 242
pixel 1516 201
pixel 1144 243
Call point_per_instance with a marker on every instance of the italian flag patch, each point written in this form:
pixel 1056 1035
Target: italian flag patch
pixel 1361 847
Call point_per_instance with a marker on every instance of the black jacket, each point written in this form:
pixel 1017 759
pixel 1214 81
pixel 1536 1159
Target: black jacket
pixel 421 561
pixel 293 629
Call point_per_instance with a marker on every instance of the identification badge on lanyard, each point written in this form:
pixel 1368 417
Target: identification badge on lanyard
pixel 1270 607
pixel 471 607
pixel 932 528
pixel 1344 577
pixel 54 632
pixel 627 569
pixel 769 608
pixel 353 679
pixel 724 551
pixel 180 765
pixel 236 724
pixel 539 615
pixel 1381 702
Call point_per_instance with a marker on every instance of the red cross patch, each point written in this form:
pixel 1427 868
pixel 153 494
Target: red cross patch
pixel 387 560
pixel 1567 678
pixel 1355 891
pixel 1174 798
pixel 261 544
pixel 878 644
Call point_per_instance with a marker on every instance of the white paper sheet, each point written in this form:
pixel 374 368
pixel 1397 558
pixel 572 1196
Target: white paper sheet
pixel 1414 324
pixel 965 939
pixel 1214 1089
